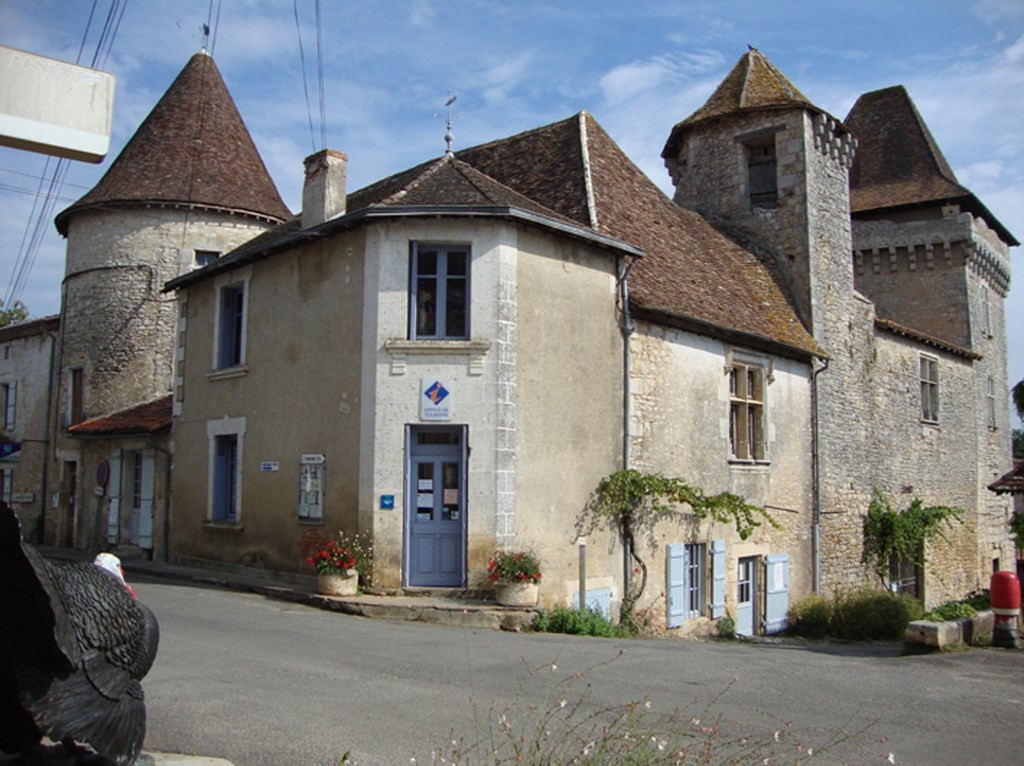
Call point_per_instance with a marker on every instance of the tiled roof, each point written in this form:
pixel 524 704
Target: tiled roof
pixel 30 327
pixel 908 332
pixel 753 84
pixel 148 418
pixel 1011 483
pixel 572 172
pixel 194 150
pixel 446 182
pixel 690 274
pixel 898 162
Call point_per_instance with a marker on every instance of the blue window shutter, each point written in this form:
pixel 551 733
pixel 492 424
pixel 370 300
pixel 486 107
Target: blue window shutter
pixel 776 610
pixel 148 491
pixel 717 579
pixel 675 586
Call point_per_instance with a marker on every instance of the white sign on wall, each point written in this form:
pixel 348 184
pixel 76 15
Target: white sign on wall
pixel 435 399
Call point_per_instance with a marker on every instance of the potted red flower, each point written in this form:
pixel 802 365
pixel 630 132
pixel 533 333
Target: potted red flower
pixel 515 575
pixel 335 565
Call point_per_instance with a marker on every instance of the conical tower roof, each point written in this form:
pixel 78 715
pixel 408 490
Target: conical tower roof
pixel 754 84
pixel 193 150
pixel 898 162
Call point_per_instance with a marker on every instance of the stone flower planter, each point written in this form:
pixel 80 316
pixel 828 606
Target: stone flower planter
pixel 516 594
pixel 343 584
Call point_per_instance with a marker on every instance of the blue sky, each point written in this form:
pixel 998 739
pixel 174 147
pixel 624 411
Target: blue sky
pixel 388 67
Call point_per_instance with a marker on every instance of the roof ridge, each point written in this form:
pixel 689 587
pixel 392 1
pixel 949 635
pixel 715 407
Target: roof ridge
pixel 416 180
pixel 588 181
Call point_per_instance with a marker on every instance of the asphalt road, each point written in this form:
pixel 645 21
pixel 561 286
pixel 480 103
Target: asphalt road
pixel 266 682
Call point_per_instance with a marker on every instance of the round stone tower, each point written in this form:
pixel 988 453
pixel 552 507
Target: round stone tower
pixel 189 186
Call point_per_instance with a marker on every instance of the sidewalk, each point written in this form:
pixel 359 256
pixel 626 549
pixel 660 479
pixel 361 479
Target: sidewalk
pixel 444 608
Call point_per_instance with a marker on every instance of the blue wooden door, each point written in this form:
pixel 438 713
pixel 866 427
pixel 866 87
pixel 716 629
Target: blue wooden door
pixel 435 508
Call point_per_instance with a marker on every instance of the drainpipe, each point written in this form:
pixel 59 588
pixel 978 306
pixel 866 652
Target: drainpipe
pixel 815 482
pixel 167 496
pixel 627 328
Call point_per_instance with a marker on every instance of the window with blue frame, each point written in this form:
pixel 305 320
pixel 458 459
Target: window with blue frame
pixel 230 326
pixel 439 292
pixel 225 478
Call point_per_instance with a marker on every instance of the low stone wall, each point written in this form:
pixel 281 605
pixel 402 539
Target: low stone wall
pixel 926 636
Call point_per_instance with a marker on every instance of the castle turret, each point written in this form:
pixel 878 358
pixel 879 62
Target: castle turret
pixel 760 161
pixel 188 186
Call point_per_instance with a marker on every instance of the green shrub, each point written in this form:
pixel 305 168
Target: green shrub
pixel 810 617
pixel 979 600
pixel 590 622
pixel 726 627
pixel 870 615
pixel 951 610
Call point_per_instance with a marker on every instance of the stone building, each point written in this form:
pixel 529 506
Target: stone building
pixel 26 358
pixel 187 187
pixel 452 358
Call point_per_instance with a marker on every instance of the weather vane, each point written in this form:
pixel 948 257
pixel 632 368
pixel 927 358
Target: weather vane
pixel 448 137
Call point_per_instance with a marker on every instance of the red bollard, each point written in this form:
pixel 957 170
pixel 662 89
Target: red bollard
pixel 1004 592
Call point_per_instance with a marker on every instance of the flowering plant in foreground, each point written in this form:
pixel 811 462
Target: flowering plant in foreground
pixel 520 567
pixel 329 556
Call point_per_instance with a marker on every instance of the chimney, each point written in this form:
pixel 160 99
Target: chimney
pixel 323 195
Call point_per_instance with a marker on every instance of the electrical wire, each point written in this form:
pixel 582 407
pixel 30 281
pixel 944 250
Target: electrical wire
pixel 302 62
pixel 320 77
pixel 41 213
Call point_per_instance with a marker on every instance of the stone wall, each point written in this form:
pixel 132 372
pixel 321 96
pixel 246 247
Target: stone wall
pixel 26 351
pixel 679 426
pixel 937 271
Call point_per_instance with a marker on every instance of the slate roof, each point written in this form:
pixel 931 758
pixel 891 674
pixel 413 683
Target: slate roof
pixel 148 418
pixel 571 175
pixel 193 150
pixel 1010 483
pixel 899 164
pixel 753 84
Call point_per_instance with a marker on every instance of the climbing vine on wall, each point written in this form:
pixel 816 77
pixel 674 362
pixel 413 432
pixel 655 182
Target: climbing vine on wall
pixel 1017 530
pixel 630 500
pixel 891 535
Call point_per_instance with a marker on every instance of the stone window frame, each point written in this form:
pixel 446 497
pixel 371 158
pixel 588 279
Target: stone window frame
pixel 75 404
pixel 986 311
pixel 928 379
pixel 9 391
pixel 748 406
pixel 220 433
pixel 990 397
pixel 760 152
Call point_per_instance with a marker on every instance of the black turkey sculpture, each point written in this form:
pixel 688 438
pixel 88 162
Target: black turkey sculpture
pixel 74 646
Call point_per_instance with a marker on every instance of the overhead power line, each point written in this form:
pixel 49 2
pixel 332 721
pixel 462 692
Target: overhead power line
pixel 43 205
